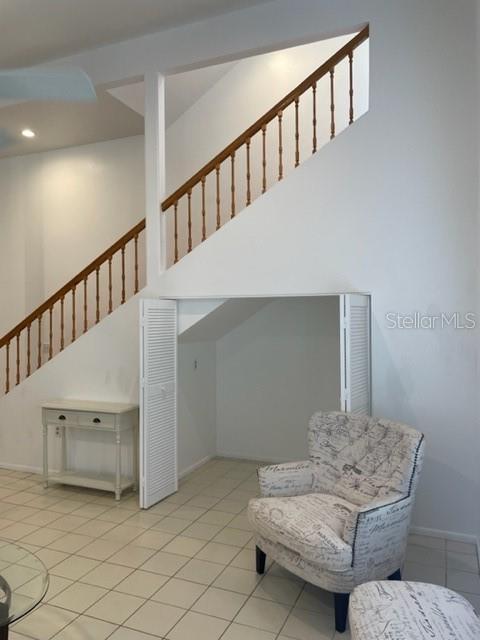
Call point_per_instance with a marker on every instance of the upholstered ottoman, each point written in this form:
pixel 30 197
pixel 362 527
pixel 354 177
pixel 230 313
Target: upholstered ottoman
pixel 410 611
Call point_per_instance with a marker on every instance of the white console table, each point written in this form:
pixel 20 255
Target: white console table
pixel 115 418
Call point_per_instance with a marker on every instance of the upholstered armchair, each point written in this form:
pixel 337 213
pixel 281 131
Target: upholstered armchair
pixel 340 518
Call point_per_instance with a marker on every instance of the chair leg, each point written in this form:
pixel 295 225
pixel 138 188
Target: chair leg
pixel 397 575
pixel 341 610
pixel 260 559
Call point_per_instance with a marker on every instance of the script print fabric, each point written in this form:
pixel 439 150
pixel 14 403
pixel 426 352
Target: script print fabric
pixel 312 525
pixel 342 517
pixel 361 458
pixel 410 611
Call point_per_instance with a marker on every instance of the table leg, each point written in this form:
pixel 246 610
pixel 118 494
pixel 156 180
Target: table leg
pixel 118 466
pixel 63 464
pixel 45 458
pixel 136 435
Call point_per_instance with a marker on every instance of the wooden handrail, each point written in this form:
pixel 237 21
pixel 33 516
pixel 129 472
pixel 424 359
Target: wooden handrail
pixel 18 352
pixel 58 295
pixel 272 113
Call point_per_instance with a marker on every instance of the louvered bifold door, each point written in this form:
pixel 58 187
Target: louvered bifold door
pixel 355 352
pixel 158 400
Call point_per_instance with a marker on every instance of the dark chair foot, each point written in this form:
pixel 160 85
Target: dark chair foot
pixel 341 610
pixel 260 559
pixel 396 576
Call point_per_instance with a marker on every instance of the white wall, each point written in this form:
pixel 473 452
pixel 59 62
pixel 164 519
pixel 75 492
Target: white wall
pixel 196 403
pixel 100 365
pixel 390 207
pixel 103 365
pixel 250 88
pixel 273 372
pixel 60 210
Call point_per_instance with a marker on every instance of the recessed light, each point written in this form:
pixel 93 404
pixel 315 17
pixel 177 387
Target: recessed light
pixel 28 133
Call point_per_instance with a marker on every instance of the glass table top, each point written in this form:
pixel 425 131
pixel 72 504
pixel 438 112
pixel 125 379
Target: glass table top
pixel 23 582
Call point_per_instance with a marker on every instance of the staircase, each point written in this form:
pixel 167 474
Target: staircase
pixel 286 135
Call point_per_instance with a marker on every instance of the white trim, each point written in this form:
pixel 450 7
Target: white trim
pixel 21 467
pixel 195 466
pixel 268 460
pixel 228 296
pixel 447 535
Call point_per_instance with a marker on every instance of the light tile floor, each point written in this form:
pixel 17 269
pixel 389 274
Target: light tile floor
pixel 182 570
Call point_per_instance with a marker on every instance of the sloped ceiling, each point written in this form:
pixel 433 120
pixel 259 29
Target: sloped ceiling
pixel 181 90
pixel 34 31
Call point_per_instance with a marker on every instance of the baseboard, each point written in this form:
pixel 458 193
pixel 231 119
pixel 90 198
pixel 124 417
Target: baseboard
pixel 235 456
pixel 195 466
pixel 21 467
pixel 447 535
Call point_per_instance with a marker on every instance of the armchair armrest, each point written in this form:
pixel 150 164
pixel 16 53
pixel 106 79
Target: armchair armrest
pixel 288 479
pixel 378 535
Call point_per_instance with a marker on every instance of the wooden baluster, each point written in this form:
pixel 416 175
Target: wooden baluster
pixel 175 230
pixel 217 180
pixel 62 323
pixel 264 158
pixel 39 343
pixel 204 228
pixel 297 134
pixel 50 333
pixel 123 274
pixel 249 192
pixel 350 90
pixel 85 311
pixel 29 368
pixel 332 104
pixel 136 263
pixel 7 368
pixel 18 359
pixel 110 286
pixel 314 93
pixel 232 184
pixel 189 220
pixel 74 319
pixel 280 147
pixel 97 295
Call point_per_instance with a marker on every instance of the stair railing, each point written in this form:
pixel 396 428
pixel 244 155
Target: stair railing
pixel 244 142
pixel 69 311
pixel 23 345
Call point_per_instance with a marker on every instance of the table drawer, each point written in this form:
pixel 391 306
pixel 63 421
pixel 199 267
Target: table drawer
pixel 96 420
pixel 58 416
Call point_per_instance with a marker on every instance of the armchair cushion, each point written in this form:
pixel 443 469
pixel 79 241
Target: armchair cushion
pixel 360 458
pixel 311 525
pixel 287 479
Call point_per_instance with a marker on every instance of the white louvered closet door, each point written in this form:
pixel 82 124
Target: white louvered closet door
pixel 355 353
pixel 158 400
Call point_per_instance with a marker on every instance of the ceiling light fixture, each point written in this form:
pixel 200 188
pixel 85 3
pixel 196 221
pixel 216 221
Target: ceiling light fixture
pixel 28 133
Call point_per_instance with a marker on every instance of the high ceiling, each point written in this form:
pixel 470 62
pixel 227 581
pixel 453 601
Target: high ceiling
pixel 37 30
pixel 59 124
pixel 117 113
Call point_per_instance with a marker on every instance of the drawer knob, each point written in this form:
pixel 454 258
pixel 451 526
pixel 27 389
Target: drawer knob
pixel 97 420
pixel 61 417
